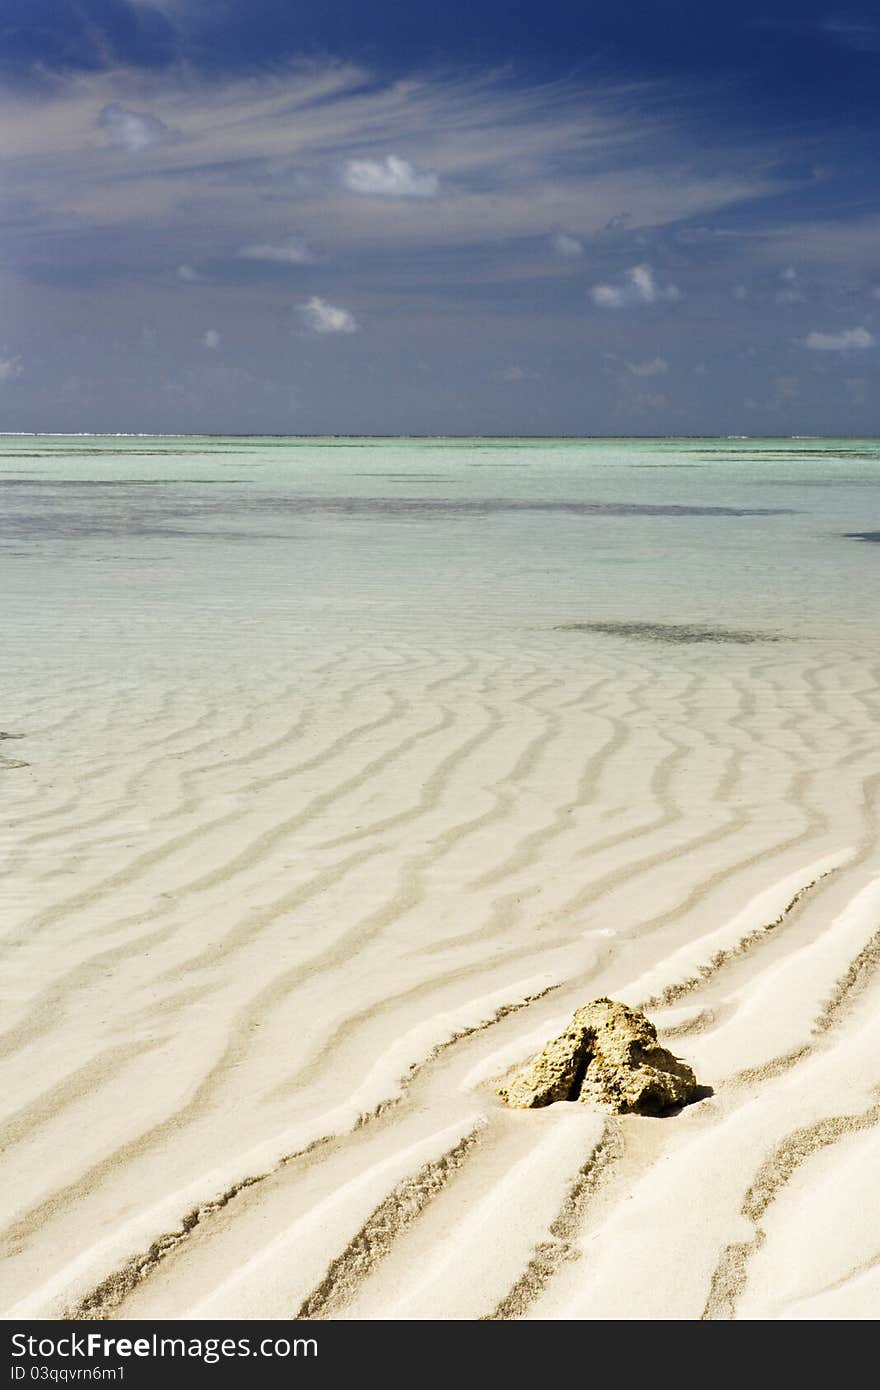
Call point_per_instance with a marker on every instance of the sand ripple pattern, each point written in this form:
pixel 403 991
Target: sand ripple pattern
pixel 269 939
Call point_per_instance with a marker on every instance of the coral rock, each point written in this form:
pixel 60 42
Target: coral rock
pixel 608 1056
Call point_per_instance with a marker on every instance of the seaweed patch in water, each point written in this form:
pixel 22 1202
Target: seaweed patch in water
pixel 671 632
pixel 861 536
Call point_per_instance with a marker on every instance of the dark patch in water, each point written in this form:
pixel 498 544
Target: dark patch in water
pixel 680 633
pixel 146 507
pixel 119 453
pixel 862 536
pixel 815 482
pixel 758 454
pixel 487 506
pixel 73 528
pixel 110 482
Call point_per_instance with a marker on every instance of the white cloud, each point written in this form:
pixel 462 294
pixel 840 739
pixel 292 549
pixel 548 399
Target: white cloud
pixel 293 250
pixel 515 374
pixel 638 286
pixel 188 274
pixel 656 366
pixel 569 247
pixel 608 296
pixel 134 131
pixel 843 341
pixel 322 317
pixel 791 294
pixel 10 368
pixel 390 177
pixel 211 339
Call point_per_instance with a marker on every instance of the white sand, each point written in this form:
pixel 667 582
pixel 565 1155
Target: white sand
pixel 263 948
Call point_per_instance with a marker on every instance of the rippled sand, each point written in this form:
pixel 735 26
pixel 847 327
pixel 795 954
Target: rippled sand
pixel 282 907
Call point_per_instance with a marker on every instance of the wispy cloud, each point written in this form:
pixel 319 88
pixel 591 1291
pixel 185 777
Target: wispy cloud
pixel 832 243
pixel 845 340
pixel 791 293
pixel 322 317
pixel 637 286
pixel 134 131
pixel 461 247
pixel 293 250
pixel 293 149
pixel 390 177
pixel 655 366
pixel 514 374
pixel 844 30
pixel 10 368
pixel 852 33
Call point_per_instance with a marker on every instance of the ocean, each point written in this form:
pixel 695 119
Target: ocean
pixel 473 536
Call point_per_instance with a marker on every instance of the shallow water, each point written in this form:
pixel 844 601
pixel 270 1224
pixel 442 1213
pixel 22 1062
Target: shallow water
pixel 205 534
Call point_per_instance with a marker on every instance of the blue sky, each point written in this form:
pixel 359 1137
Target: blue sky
pixel 400 217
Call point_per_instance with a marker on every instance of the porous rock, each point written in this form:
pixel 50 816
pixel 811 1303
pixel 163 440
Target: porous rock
pixel 608 1056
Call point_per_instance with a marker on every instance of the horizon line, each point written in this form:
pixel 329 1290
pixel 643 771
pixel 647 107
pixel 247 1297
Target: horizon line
pixel 257 434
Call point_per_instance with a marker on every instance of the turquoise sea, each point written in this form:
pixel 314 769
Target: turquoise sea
pixel 205 536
